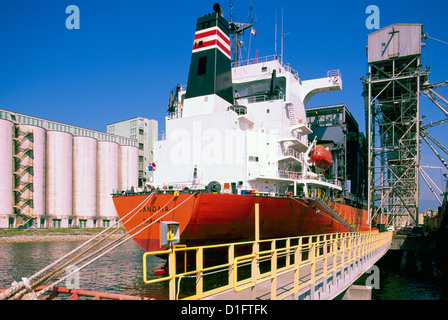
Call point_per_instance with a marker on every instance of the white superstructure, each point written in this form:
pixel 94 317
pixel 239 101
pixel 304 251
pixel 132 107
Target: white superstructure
pixel 257 143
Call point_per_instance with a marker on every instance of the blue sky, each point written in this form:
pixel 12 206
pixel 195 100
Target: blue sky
pixel 128 55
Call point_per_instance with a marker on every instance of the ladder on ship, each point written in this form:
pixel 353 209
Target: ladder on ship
pixel 291 114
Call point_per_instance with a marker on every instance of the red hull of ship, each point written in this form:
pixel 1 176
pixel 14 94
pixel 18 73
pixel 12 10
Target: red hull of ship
pixel 208 218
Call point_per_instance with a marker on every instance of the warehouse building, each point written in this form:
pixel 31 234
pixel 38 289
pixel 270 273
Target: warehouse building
pixel 55 175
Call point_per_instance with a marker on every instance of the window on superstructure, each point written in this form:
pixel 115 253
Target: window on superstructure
pixel 202 65
pixel 205 25
pixel 253 159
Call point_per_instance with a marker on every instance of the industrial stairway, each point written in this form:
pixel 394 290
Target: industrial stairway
pixel 23 174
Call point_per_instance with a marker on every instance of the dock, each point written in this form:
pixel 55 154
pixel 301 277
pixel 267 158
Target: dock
pixel 317 267
pixel 334 279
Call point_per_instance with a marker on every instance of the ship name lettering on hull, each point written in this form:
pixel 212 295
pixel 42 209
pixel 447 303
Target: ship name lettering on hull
pixel 154 209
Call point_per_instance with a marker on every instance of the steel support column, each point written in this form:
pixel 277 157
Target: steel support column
pixel 392 89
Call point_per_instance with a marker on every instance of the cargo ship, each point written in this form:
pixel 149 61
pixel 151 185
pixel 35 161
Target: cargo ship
pixel 235 136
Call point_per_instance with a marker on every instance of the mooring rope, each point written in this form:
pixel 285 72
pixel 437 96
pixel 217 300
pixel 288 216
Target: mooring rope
pixel 126 236
pixel 25 283
pixel 59 270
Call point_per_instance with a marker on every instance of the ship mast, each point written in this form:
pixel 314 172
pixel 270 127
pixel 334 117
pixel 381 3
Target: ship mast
pixel 282 35
pixel 237 29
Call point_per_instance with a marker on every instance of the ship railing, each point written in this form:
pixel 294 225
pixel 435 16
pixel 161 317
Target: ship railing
pixel 293 153
pixel 174 115
pixel 295 175
pixel 324 195
pixel 162 136
pixel 247 62
pixel 258 98
pixel 288 174
pixel 264 59
pixel 335 203
pixel 238 109
pixel 333 73
pixel 305 260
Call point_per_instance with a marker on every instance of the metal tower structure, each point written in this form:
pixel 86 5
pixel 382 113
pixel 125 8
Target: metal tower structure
pixel 392 100
pixel 429 91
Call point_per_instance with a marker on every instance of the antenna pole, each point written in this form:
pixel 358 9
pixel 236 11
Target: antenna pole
pixel 281 59
pixel 275 41
pixel 250 34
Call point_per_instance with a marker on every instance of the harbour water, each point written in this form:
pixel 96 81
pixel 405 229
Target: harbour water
pixel 121 272
pixel 407 284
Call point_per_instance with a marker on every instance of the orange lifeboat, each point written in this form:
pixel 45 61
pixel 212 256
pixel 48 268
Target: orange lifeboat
pixel 321 157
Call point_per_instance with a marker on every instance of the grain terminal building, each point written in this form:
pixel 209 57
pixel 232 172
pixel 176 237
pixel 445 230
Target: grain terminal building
pixel 335 128
pixel 145 132
pixel 55 175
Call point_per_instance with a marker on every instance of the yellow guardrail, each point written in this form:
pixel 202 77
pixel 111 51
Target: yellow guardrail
pixel 283 255
pixel 345 247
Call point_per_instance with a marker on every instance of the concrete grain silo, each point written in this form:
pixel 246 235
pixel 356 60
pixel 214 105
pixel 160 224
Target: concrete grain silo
pixel 59 179
pixel 127 167
pixel 55 175
pixel 107 181
pixel 6 182
pixel 84 181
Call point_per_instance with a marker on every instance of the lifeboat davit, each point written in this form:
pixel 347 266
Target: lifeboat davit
pixel 321 157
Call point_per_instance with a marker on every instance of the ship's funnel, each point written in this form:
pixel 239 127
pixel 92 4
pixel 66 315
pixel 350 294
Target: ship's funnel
pixel 209 87
pixel 218 9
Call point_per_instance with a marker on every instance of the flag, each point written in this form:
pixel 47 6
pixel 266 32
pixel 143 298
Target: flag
pixel 253 31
